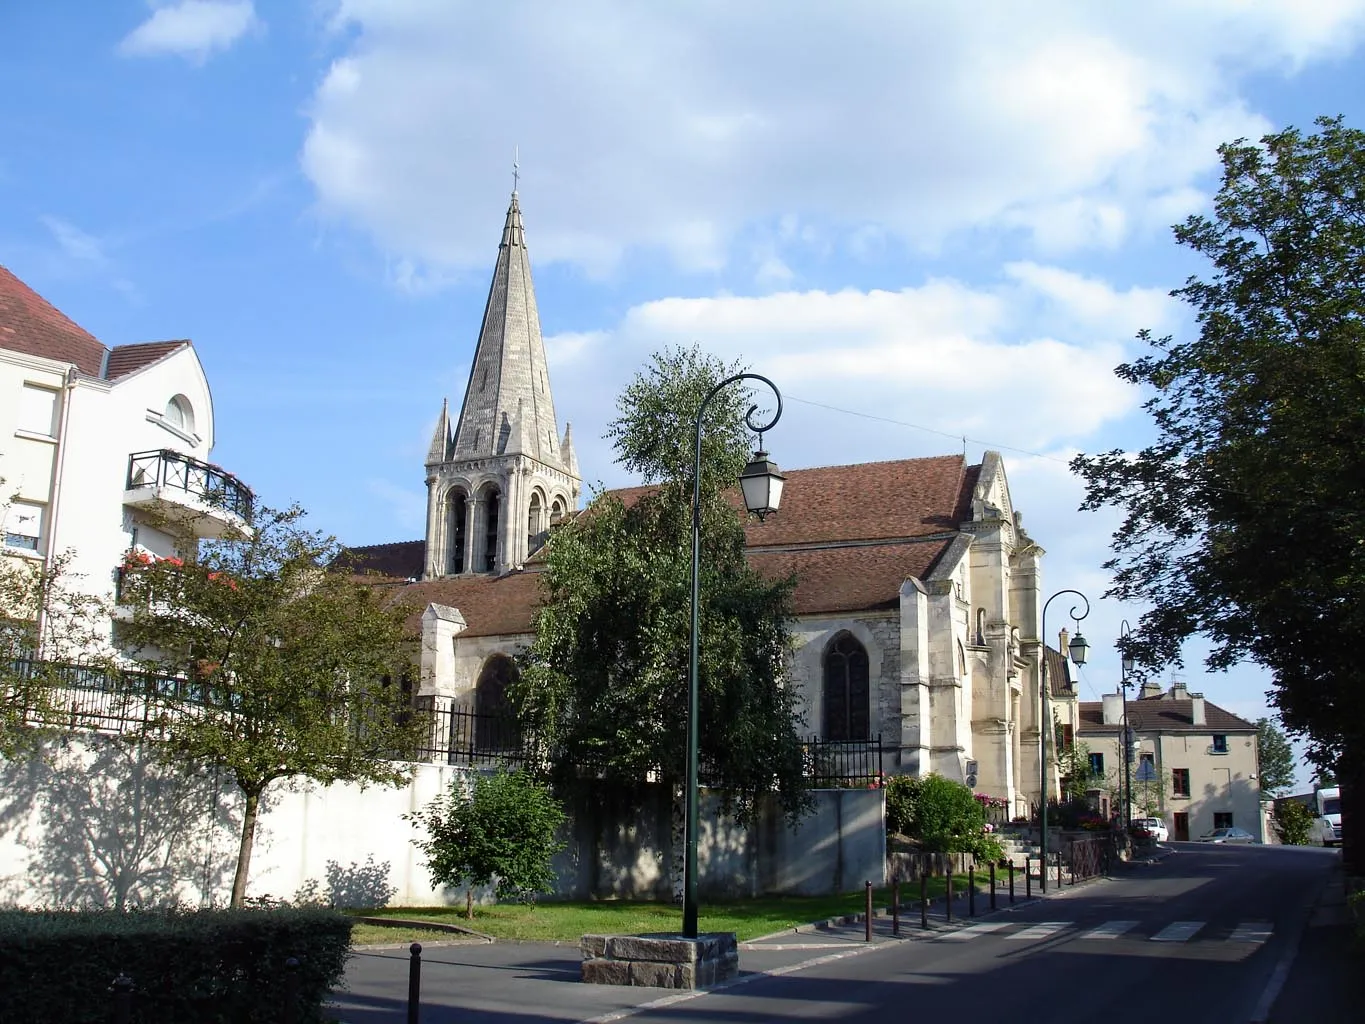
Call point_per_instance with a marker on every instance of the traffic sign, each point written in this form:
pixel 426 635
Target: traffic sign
pixel 1146 772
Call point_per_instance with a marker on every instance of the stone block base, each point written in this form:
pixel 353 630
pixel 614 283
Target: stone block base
pixel 660 961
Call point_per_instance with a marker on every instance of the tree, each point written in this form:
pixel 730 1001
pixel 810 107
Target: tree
pixel 285 665
pixel 1275 757
pixel 48 622
pixel 499 829
pixel 604 684
pixel 1293 823
pixel 1245 519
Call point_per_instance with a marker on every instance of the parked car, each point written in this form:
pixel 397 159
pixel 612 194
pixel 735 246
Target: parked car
pixel 1154 827
pixel 1227 835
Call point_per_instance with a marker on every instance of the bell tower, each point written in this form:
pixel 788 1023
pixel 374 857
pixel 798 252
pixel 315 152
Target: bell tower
pixel 502 476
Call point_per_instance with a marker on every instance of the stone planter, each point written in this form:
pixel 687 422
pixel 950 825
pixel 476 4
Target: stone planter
pixel 661 960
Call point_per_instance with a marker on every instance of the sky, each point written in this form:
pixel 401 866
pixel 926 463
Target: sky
pixel 937 227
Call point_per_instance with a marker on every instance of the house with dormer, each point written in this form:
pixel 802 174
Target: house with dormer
pixel 103 450
pixel 918 588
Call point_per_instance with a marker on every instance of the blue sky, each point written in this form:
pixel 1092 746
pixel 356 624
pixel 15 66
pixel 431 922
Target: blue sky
pixel 949 219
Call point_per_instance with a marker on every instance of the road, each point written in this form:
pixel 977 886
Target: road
pixel 1205 935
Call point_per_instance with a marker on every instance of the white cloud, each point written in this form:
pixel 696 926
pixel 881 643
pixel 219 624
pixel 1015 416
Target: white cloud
pixel 193 29
pixel 1071 123
pixel 75 243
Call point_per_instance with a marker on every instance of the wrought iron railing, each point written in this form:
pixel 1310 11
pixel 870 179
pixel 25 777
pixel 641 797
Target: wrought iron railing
pixel 103 699
pixel 843 764
pixel 457 734
pixel 208 483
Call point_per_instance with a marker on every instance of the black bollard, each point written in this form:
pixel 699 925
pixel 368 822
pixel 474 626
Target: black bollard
pixel 896 905
pixel 971 891
pixel 291 990
pixel 122 988
pixel 414 982
pixel 1011 863
pixel 1059 869
pixel 1028 878
pixel 923 896
pixel 992 885
pixel 948 901
pixel 867 904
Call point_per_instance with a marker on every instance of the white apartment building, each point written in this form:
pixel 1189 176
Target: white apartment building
pixel 103 450
pixel 1203 771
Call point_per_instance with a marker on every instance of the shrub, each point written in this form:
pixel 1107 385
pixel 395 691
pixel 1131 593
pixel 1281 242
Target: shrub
pixel 1293 823
pixel 902 796
pixel 187 967
pixel 943 815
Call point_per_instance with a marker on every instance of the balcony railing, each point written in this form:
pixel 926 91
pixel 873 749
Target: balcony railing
pixel 166 470
pixel 841 764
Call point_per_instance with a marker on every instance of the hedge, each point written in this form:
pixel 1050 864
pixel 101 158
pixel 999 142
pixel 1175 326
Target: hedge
pixel 195 967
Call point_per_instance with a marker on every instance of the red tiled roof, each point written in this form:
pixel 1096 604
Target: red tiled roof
pixel 126 359
pixel 1058 673
pixel 491 605
pixel 32 325
pixel 847 579
pixel 1160 714
pixel 402 560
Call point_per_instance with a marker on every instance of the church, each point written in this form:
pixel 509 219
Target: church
pixel 918 594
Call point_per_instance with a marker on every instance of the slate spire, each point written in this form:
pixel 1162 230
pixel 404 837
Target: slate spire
pixel 509 371
pixel 440 437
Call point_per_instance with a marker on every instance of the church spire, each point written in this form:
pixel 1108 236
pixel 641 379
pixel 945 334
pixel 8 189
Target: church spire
pixel 509 369
pixel 440 437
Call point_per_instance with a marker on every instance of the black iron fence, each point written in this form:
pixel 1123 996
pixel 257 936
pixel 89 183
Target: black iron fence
pixel 74 695
pixel 843 764
pixel 202 480
pixel 457 734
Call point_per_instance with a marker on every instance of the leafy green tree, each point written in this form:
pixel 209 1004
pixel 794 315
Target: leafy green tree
pixel 1293 823
pixel 285 664
pixel 1276 757
pixel 498 829
pixel 48 621
pixel 1245 518
pixel 604 684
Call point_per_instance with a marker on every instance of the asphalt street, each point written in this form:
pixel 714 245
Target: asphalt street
pixel 1207 934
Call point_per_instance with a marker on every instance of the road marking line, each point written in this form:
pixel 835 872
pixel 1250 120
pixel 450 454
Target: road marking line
pixel 1252 931
pixel 977 929
pixel 1110 930
pixel 1178 931
pixel 1041 930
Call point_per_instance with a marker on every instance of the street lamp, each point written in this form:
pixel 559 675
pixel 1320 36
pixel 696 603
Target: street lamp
pixel 1080 650
pixel 761 484
pixel 1128 662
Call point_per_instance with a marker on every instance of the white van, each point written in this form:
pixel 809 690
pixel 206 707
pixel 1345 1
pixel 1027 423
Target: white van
pixel 1328 805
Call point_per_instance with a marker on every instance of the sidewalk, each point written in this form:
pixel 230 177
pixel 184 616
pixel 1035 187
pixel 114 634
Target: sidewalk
pixel 1325 980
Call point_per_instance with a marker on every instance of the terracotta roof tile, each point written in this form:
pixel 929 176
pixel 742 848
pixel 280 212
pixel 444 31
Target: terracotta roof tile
pixel 845 579
pixel 1163 715
pixel 491 605
pixel 401 560
pixel 1058 674
pixel 126 359
pixel 32 325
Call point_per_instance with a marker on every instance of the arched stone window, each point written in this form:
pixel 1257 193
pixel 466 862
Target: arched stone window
pixel 847 695
pixel 494 725
pixel 980 639
pixel 492 507
pixel 557 511
pixel 534 531
pixel 457 506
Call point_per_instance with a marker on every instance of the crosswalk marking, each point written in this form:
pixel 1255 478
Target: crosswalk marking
pixel 1110 930
pixel 1251 931
pixel 985 928
pixel 1178 931
pixel 1041 930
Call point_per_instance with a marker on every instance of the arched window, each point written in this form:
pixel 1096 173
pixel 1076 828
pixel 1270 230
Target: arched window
pixel 456 516
pixel 534 536
pixel 494 725
pixel 846 692
pixel 492 505
pixel 179 414
pixel 556 511
pixel 981 627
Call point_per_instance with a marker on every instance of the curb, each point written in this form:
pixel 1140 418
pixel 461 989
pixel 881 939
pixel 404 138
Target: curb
pixel 438 926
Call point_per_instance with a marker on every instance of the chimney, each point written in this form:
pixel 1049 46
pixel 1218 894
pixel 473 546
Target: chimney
pixel 1150 688
pixel 1063 640
pixel 1179 691
pixel 1113 709
pixel 1197 716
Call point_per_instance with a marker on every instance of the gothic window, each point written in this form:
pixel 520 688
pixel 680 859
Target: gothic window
pixel 455 531
pixel 494 727
pixel 847 698
pixel 534 537
pixel 492 506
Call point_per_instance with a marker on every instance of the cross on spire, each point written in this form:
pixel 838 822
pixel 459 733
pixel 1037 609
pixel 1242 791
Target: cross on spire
pixel 516 169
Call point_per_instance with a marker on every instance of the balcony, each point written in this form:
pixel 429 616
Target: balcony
pixel 206 501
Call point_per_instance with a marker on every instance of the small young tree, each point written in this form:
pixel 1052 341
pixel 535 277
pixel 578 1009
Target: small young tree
pixel 1293 823
pixel 287 664
pixel 496 830
pixel 1276 757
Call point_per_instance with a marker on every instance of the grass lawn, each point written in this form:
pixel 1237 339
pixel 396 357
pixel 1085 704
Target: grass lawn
pixel 567 922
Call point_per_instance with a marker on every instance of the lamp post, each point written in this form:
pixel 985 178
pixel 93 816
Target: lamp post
pixel 1127 663
pixel 761 484
pixel 1079 648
